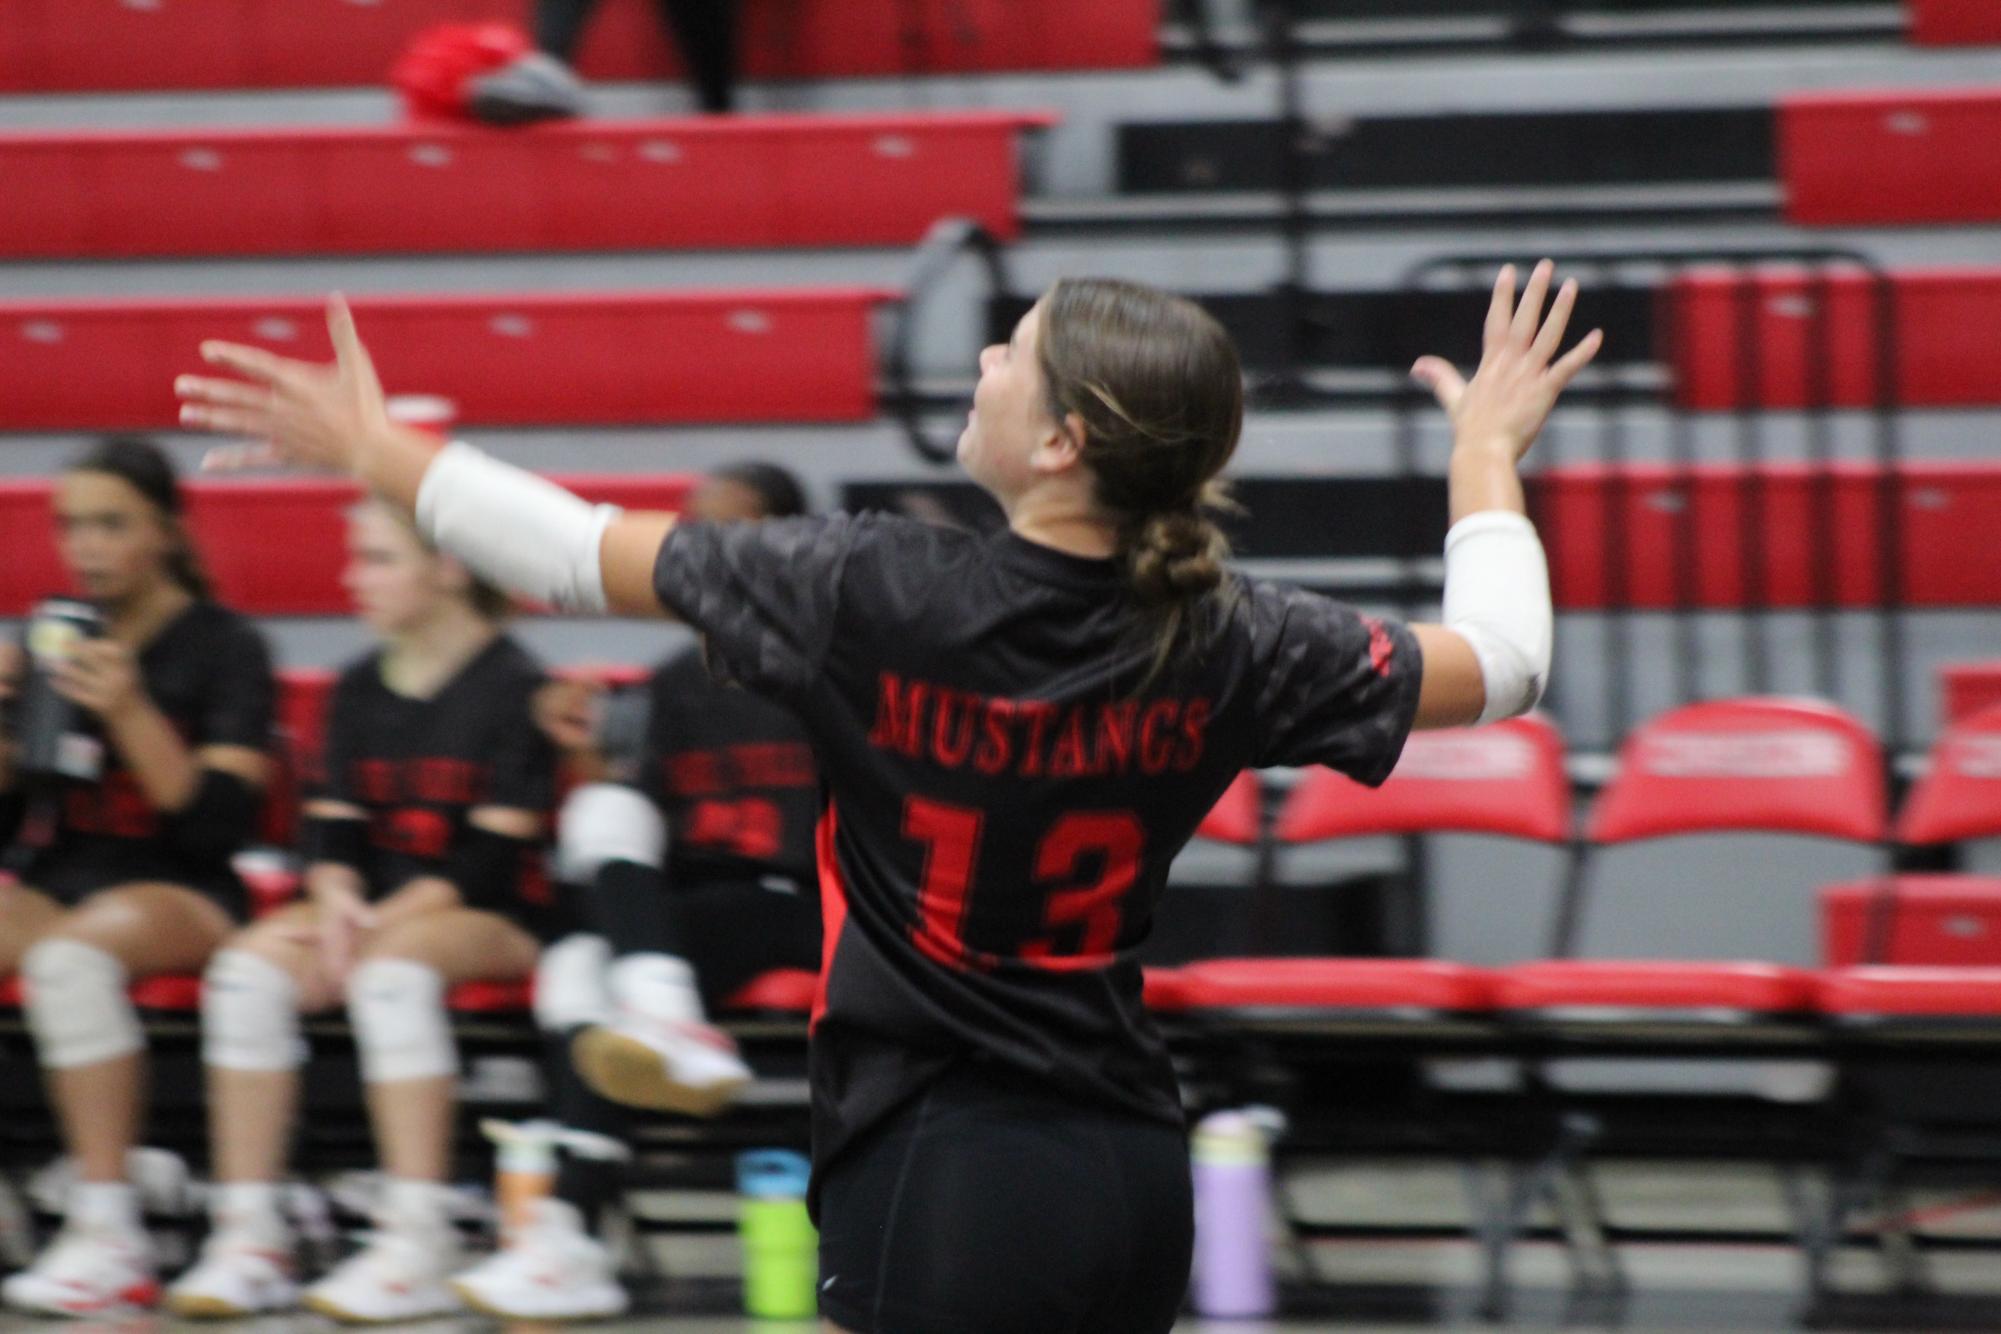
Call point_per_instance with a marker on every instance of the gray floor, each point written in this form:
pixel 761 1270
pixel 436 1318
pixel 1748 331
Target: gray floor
pixel 1372 1285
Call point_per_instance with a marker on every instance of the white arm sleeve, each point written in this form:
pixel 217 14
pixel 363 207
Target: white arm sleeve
pixel 515 529
pixel 1497 598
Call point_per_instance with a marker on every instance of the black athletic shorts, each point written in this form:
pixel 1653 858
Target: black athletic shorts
pixel 990 1205
pixel 70 877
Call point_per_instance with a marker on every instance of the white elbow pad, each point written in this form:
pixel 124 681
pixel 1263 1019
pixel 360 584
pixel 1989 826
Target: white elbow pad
pixel 1497 598
pixel 515 529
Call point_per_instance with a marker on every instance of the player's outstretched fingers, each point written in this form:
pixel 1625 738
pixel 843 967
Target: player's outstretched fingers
pixel 254 363
pixel 349 353
pixel 1501 309
pixel 1528 316
pixel 208 391
pixel 226 421
pixel 1442 378
pixel 1551 338
pixel 1576 359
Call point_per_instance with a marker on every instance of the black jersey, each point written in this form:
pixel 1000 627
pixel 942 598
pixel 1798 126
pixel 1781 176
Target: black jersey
pixel 1007 791
pixel 419 767
pixel 209 672
pixel 734 775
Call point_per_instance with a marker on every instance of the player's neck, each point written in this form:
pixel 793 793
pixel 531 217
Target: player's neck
pixel 419 661
pixel 134 620
pixel 1067 522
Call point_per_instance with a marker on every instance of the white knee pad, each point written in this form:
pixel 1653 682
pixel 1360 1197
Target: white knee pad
pixel 570 987
pixel 401 1030
pixel 606 822
pixel 249 1014
pixel 76 1004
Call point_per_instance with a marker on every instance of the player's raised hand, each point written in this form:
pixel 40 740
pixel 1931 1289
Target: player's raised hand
pixel 297 413
pixel 1520 376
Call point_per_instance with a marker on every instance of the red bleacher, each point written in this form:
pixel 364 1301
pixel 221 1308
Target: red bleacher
pixel 738 182
pixel 570 358
pixel 1955 22
pixel 273 547
pixel 1819 343
pixel 109 45
pixel 1852 159
pixel 1677 527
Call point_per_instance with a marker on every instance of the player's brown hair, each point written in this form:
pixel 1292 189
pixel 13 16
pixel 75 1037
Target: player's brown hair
pixel 1157 384
pixel 489 601
pixel 145 467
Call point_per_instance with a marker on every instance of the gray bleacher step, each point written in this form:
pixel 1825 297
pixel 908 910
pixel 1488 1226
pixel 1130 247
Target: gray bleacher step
pixel 1432 209
pixel 1380 34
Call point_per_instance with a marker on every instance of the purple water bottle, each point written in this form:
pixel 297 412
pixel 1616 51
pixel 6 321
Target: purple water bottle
pixel 1233 1278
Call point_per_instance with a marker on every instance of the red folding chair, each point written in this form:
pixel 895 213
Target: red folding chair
pixel 1506 781
pixel 1758 766
pixel 1742 766
pixel 1913 996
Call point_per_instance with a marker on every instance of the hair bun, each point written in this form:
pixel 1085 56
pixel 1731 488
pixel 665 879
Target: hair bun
pixel 1176 556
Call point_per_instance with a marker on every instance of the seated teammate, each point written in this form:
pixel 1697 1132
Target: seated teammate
pixel 423 870
pixel 126 875
pixel 671 933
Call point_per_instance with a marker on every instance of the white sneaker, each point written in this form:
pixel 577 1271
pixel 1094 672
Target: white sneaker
pixel 554 1271
pixel 401 1274
pixel 666 1065
pixel 85 1271
pixel 242 1271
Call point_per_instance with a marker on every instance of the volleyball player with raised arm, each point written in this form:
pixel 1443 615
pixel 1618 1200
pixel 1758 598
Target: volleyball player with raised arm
pixel 1018 733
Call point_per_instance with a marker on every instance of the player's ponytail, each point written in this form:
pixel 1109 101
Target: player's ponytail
pixel 144 466
pixel 1159 390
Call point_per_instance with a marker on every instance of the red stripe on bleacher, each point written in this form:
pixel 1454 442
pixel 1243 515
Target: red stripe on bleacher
pixel 1955 22
pixel 84 45
pixel 600 359
pixel 739 182
pixel 274 548
pixel 1846 340
pixel 1892 157
pixel 1675 525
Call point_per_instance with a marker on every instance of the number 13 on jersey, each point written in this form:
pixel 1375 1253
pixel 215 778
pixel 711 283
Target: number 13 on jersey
pixel 1082 914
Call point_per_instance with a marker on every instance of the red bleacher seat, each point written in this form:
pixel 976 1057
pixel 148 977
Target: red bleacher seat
pixel 90 45
pixel 1677 526
pixel 1967 688
pixel 1596 986
pixel 273 547
pixel 602 359
pixel 1909 156
pixel 780 989
pixel 1955 22
pixel 1237 817
pixel 1351 986
pixel 1878 992
pixel 1773 766
pixel 1821 343
pixel 1959 797
pixel 737 182
pixel 167 992
pixel 1912 919
pixel 1506 780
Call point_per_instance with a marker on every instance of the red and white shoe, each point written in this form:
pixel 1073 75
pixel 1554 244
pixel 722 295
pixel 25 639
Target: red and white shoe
pixel 401 1274
pixel 554 1271
pixel 241 1272
pixel 87 1271
pixel 668 1065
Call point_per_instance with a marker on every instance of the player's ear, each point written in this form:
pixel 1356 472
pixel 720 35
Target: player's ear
pixel 1062 448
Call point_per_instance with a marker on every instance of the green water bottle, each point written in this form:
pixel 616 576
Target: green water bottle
pixel 781 1250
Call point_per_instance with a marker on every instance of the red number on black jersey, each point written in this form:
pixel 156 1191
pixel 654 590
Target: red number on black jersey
pixel 951 839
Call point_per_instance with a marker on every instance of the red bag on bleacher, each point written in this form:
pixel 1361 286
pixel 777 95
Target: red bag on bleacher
pixel 434 75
